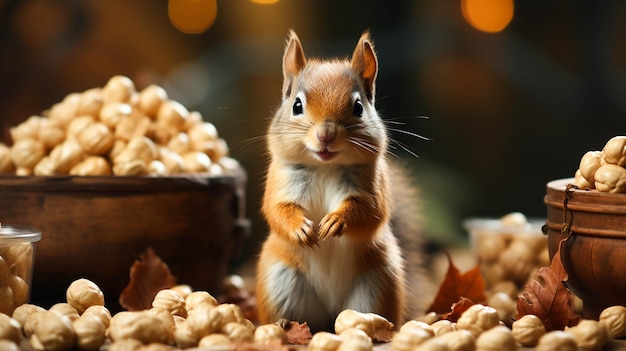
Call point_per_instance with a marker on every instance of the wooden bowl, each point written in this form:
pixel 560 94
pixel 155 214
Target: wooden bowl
pixel 95 228
pixel 593 255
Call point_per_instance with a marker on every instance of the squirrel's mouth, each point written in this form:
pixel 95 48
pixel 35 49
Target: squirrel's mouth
pixel 326 155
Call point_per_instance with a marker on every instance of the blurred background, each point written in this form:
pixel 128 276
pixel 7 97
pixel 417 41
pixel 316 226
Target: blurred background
pixel 515 92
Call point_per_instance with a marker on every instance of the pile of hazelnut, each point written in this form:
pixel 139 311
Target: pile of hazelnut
pixel 479 328
pixel 604 170
pixel 179 318
pixel 16 261
pixel 509 254
pixel 116 130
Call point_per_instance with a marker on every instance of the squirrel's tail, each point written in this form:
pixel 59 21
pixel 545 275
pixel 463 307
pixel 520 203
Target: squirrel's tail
pixel 407 224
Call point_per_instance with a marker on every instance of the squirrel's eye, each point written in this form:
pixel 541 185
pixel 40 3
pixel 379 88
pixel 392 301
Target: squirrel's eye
pixel 358 108
pixel 298 107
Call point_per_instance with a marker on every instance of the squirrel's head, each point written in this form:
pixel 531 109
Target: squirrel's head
pixel 327 114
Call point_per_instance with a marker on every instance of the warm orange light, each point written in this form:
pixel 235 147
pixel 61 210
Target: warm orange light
pixel 192 16
pixel 265 2
pixel 489 16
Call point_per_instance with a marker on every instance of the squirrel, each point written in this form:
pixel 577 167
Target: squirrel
pixel 329 198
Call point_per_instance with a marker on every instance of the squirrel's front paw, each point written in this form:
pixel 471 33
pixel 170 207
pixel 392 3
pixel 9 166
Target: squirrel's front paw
pixel 306 233
pixel 331 225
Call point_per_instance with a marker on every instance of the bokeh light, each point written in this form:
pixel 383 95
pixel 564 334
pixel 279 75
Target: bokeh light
pixel 265 2
pixel 489 16
pixel 192 16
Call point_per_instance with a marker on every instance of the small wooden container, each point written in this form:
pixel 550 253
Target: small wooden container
pixel 95 228
pixel 593 255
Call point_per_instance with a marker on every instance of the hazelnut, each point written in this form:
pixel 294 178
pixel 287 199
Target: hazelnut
pixel 6 163
pixel 411 335
pixel 151 98
pixel 196 162
pixel 215 342
pixel 113 113
pixel 478 318
pixel 199 297
pixel 499 338
pixel 52 332
pixel 25 153
pixel 92 166
pixel 90 332
pixel 65 309
pixel 268 333
pixel 83 293
pixel 185 337
pixel 90 102
pixel 77 125
pixel 557 340
pixel 183 290
pixel 324 341
pixel 23 312
pixel 204 319
pixel 354 339
pixel 504 305
pixel 590 334
pixel 118 89
pixel 10 329
pixel 29 129
pixel 66 155
pixel 238 332
pixel 443 326
pixel 99 312
pixel 142 325
pixel 96 139
pixel 171 301
pixel 614 318
pixel 528 330
pixel 458 340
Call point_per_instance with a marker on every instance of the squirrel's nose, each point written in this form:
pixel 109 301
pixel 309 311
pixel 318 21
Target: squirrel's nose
pixel 327 132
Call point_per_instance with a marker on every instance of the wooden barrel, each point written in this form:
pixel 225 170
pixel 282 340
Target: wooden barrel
pixel 95 228
pixel 593 255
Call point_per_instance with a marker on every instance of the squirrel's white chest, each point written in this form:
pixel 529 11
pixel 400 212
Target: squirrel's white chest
pixel 318 191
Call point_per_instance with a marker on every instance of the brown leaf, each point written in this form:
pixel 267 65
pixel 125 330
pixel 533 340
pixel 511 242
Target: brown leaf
pixel 548 298
pixel 457 309
pixel 148 275
pixel 469 285
pixel 298 333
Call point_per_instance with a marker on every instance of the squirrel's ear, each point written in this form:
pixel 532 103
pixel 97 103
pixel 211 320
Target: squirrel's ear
pixel 293 62
pixel 364 62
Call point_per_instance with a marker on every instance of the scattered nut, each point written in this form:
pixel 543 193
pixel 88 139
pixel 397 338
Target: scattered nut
pixel 590 334
pixel 478 318
pixel 324 341
pixel 52 332
pixel 268 333
pixel 557 340
pixel 614 319
pixel 499 338
pixel 215 342
pixel 10 329
pixel 90 332
pixel 528 330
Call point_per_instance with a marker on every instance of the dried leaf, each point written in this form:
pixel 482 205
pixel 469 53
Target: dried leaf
pixel 469 285
pixel 548 298
pixel 148 275
pixel 457 309
pixel 298 333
